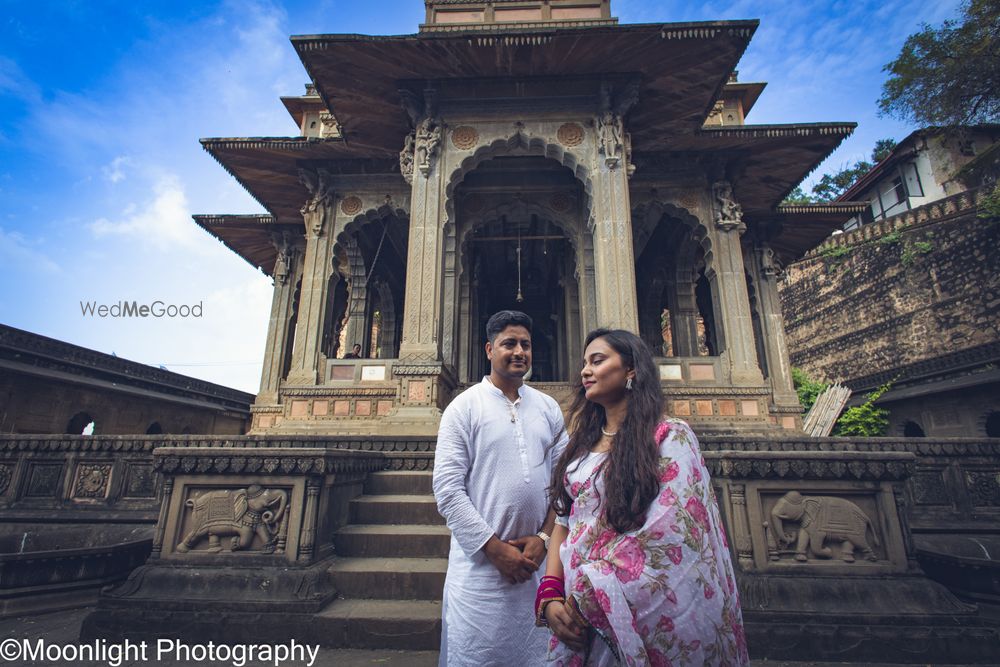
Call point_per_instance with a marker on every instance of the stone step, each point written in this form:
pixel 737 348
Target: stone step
pixel 400 482
pixel 389 578
pixel 408 625
pixel 407 541
pixel 395 509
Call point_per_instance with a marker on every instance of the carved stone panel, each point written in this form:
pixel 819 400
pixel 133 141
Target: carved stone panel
pixel 43 480
pixel 253 518
pixel 92 480
pixel 570 134
pixel 140 481
pixel 351 205
pixel 929 488
pixel 6 473
pixel 465 137
pixel 805 527
pixel 984 487
pixel 826 526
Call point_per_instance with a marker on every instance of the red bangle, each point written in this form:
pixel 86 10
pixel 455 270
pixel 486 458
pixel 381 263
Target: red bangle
pixel 551 588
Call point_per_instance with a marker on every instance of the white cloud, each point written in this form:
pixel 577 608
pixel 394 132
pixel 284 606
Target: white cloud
pixel 13 81
pixel 115 171
pixel 164 221
pixel 18 251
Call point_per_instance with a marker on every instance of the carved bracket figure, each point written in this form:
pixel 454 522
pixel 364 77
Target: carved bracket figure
pixel 406 158
pixel 319 183
pixel 822 519
pixel 728 213
pixel 611 137
pixel 427 142
pixel 613 142
pixel 241 514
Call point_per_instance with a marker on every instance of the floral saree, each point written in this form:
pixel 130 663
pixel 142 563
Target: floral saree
pixel 663 594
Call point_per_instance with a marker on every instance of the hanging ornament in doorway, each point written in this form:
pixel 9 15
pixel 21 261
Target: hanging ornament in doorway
pixel 520 297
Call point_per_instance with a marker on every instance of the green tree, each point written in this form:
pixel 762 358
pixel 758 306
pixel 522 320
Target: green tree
pixel 865 420
pixel 950 75
pixel 798 197
pixel 807 388
pixel 831 186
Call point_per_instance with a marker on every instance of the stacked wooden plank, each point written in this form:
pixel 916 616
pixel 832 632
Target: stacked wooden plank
pixel 825 411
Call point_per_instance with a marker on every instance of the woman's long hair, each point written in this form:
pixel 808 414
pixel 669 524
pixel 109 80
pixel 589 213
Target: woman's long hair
pixel 631 475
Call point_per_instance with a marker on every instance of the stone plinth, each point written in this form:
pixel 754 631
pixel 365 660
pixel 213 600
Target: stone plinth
pixel 256 522
pixel 825 560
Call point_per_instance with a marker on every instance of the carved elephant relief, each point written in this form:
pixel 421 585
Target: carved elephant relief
pixel 821 519
pixel 241 514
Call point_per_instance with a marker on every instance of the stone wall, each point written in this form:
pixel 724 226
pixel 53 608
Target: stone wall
pixel 50 386
pixel 911 300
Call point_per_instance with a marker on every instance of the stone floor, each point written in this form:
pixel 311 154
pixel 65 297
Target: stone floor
pixel 63 627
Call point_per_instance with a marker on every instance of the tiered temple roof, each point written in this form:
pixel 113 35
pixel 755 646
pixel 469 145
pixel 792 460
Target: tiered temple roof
pixel 682 71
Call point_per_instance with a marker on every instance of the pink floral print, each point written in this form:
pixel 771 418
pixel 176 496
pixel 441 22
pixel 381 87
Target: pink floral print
pixel 663 594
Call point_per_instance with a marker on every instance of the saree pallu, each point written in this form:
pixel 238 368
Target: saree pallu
pixel 664 594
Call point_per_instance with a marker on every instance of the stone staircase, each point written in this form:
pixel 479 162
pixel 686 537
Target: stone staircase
pixel 390 568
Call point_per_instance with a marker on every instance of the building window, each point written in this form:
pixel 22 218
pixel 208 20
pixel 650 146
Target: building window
pixel 912 429
pixel 81 424
pixel 993 425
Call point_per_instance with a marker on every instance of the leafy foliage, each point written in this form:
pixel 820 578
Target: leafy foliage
pixel 949 75
pixel 836 252
pixel 831 186
pixel 989 207
pixel 798 197
pixel 865 420
pixel 807 388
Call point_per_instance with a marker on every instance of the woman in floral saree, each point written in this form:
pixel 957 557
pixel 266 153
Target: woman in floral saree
pixel 639 570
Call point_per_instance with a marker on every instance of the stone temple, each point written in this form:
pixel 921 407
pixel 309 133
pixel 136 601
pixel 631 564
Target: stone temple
pixel 532 154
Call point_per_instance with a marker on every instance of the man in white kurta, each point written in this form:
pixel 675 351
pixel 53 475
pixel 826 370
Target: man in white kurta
pixel 492 467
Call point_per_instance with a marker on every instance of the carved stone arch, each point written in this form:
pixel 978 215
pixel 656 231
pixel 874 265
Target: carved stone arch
pixel 689 251
pixel 576 227
pixel 646 218
pixel 353 268
pixel 519 144
pixel 563 221
pixel 376 214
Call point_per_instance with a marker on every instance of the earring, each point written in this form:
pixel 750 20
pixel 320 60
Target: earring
pixel 628 384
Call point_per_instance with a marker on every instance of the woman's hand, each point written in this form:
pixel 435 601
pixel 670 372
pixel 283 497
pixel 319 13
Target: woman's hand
pixel 564 626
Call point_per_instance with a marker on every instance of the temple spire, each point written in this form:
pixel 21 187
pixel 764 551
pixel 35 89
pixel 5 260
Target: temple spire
pixel 459 15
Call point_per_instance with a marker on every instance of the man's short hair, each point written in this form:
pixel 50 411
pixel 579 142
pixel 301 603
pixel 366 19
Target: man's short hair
pixel 356 345
pixel 503 319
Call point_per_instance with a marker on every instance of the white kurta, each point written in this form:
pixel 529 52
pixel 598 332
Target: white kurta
pixel 492 466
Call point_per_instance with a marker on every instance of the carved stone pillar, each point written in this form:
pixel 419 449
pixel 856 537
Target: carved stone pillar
pixel 741 527
pixel 309 519
pixel 764 272
pixel 614 263
pixel 161 522
pixel 318 214
pixel 287 268
pixel 734 325
pixel 422 305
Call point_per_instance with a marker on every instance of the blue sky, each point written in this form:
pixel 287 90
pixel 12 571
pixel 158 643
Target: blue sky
pixel 102 105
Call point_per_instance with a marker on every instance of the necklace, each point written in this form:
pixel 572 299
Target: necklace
pixel 610 435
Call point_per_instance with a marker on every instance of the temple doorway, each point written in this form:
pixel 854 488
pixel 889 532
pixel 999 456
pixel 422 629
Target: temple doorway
pixel 522 244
